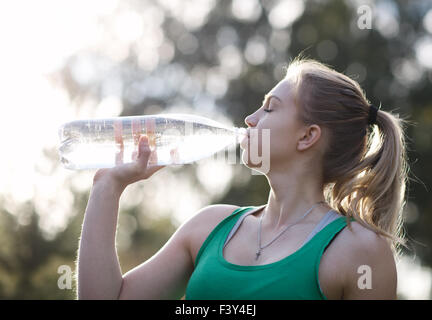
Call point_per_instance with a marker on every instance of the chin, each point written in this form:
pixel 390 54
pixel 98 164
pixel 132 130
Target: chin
pixel 262 166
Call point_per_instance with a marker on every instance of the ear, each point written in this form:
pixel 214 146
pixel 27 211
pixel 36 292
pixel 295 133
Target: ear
pixel 310 136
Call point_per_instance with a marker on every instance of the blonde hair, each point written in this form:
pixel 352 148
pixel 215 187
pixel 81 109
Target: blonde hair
pixel 364 167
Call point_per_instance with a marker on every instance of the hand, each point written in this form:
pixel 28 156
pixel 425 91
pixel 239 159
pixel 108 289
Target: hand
pixel 128 173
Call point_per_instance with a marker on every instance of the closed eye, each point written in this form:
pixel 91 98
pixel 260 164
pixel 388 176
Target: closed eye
pixel 266 102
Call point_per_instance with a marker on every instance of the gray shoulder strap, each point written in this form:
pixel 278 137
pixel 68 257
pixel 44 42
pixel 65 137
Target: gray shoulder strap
pixel 238 223
pixel 328 218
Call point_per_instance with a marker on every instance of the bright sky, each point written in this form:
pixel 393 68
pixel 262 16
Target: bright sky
pixel 38 38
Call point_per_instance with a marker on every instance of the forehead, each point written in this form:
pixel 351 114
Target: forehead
pixel 284 90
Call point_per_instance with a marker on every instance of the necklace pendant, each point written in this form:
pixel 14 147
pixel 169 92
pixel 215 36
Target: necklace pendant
pixel 258 253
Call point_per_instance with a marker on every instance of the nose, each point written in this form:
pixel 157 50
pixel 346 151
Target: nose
pixel 250 122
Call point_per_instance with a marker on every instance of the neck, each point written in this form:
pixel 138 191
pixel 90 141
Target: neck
pixel 291 195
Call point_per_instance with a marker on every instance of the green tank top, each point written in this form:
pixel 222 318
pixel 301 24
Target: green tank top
pixel 293 278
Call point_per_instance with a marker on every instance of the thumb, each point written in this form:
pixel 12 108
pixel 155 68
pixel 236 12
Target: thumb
pixel 143 150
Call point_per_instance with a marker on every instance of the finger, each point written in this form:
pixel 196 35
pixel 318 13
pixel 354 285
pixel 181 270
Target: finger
pixel 175 156
pixel 153 156
pixel 143 151
pixel 119 154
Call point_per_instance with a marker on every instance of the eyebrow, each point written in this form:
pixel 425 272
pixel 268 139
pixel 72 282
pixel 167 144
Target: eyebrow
pixel 268 96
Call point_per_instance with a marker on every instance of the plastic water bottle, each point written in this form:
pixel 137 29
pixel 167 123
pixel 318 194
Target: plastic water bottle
pixel 173 139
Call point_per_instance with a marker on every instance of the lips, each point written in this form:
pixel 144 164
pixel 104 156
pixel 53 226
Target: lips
pixel 245 141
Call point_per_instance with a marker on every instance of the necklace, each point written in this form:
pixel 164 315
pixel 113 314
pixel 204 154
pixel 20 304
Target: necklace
pixel 258 253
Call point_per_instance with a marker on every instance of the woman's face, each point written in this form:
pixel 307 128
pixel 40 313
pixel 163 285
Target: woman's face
pixel 273 128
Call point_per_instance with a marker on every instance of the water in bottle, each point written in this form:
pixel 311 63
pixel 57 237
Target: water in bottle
pixel 173 139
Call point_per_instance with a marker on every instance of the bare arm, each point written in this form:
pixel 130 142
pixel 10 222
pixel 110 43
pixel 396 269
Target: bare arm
pixel 99 273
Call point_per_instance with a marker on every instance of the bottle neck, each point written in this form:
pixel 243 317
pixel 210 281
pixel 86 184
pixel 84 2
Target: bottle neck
pixel 240 133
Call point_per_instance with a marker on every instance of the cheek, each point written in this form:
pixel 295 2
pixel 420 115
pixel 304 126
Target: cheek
pixel 282 143
pixel 270 141
pixel 272 147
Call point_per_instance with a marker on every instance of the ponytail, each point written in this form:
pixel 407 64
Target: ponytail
pixel 373 191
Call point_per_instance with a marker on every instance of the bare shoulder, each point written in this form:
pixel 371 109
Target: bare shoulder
pixel 203 222
pixel 364 243
pixel 366 262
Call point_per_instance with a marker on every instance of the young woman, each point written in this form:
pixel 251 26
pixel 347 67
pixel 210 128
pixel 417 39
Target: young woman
pixel 329 230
